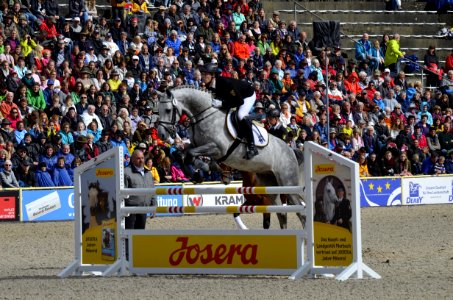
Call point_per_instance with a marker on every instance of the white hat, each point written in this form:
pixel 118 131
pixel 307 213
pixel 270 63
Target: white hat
pixel 135 57
pixel 76 19
pixel 387 70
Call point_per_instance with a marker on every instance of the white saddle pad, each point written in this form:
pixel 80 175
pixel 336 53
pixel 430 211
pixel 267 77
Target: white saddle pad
pixel 260 133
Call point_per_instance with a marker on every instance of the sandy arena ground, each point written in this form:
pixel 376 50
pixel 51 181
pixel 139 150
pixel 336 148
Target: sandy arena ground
pixel 410 247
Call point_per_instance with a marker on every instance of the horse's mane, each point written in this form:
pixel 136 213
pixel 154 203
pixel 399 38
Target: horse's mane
pixel 192 87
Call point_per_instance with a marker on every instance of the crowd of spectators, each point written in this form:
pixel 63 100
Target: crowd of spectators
pixel 71 89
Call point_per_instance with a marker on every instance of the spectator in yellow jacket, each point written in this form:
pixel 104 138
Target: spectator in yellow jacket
pixel 140 6
pixel 393 53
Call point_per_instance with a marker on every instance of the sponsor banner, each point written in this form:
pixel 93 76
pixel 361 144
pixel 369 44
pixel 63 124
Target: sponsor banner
pixel 98 213
pixel 215 200
pixel 169 200
pixel 380 191
pixel 427 190
pixel 9 205
pixel 215 251
pixel 333 204
pixel 333 245
pixel 47 205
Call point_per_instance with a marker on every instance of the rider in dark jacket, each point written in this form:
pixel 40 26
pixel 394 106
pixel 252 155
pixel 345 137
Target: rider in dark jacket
pixel 237 94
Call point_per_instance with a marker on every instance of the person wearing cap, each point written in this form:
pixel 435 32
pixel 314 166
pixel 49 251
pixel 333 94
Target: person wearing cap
pixel 104 142
pixel 6 132
pixel 25 175
pixel 205 30
pixel 393 54
pixel 13 81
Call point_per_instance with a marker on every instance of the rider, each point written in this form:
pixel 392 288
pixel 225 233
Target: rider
pixel 234 93
pixel 274 126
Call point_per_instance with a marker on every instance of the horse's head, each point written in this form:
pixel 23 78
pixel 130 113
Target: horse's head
pixel 169 115
pixel 329 192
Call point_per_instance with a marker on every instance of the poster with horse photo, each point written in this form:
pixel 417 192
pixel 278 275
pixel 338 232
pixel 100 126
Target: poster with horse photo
pixel 98 213
pixel 332 213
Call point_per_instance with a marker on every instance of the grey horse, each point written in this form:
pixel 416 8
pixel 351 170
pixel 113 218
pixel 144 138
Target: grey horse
pixel 275 165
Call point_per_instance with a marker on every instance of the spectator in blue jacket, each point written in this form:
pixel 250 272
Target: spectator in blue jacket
pixel 42 176
pixel 429 163
pixel 363 48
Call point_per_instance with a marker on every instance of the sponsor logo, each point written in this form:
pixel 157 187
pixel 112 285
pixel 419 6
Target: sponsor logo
pixel 195 200
pixel 43 206
pixel 414 193
pixel 218 254
pixel 7 208
pixel 325 169
pixel 229 200
pixel 104 172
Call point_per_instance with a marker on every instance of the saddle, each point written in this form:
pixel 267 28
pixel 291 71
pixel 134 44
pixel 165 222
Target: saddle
pixel 260 134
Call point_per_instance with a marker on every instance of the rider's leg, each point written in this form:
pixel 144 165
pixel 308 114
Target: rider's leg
pixel 246 125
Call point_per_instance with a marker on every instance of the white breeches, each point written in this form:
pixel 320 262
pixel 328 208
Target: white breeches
pixel 245 108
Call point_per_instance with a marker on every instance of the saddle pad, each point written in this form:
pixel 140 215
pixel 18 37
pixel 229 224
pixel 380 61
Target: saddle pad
pixel 260 133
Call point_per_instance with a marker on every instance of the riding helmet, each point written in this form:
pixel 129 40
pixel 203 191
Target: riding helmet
pixel 273 113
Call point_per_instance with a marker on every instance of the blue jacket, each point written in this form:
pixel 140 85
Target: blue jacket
pixel 50 161
pixel 66 138
pixel 61 177
pixel 361 48
pixel 121 143
pixel 43 179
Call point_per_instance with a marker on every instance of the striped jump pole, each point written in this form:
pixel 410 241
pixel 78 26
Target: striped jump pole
pixel 213 209
pixel 207 190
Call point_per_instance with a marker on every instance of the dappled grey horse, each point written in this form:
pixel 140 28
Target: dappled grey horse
pixel 275 165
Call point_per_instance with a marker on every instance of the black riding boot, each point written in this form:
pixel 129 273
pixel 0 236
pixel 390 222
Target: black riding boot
pixel 246 128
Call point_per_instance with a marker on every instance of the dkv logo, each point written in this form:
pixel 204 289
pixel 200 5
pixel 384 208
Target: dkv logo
pixel 195 200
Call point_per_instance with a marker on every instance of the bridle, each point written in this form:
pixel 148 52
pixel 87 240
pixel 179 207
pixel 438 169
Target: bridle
pixel 194 119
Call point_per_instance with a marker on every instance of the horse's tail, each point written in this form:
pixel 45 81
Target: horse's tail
pixel 300 160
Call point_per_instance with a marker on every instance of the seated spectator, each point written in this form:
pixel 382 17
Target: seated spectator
pixel 7 177
pixel 61 175
pixel 428 165
pixel 42 176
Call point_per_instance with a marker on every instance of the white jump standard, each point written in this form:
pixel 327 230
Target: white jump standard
pixel 101 238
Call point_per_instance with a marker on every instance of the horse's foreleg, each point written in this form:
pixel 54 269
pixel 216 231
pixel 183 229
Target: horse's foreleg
pixel 208 149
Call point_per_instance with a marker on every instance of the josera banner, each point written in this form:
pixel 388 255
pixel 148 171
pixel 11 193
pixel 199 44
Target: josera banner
pixel 333 239
pixel 384 191
pixel 98 212
pixel 9 205
pixel 48 205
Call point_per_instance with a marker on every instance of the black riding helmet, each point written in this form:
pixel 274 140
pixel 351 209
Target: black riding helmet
pixel 210 68
pixel 273 113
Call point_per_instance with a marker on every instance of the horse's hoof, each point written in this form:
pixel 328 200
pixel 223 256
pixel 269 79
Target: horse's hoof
pixel 197 178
